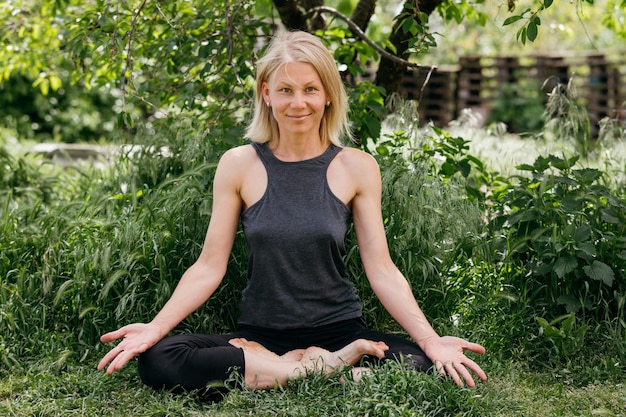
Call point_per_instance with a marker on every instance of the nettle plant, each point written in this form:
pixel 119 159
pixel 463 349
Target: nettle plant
pixel 570 232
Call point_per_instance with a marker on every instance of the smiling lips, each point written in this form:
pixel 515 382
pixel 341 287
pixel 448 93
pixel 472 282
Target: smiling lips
pixel 298 116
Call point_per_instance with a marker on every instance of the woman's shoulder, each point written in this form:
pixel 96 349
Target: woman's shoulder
pixel 238 154
pixel 235 161
pixel 358 159
pixel 241 150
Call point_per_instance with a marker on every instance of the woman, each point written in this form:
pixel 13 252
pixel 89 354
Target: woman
pixel 295 190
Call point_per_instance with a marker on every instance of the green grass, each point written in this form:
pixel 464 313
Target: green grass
pixel 512 390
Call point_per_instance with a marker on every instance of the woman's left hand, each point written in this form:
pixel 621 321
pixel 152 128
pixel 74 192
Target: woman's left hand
pixel 447 353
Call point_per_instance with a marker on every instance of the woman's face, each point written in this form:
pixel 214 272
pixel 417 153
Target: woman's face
pixel 297 97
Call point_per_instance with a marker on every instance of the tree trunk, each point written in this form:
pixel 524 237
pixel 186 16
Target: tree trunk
pixel 363 13
pixel 389 74
pixel 317 20
pixel 291 14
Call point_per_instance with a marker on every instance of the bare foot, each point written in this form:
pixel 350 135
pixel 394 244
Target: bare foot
pixel 252 346
pixel 265 369
pixel 326 361
pixel 293 355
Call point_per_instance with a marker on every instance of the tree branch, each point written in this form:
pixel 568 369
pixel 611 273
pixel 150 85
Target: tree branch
pixel 359 33
pixel 127 74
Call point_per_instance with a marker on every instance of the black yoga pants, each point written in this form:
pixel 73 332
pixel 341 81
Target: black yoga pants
pixel 196 361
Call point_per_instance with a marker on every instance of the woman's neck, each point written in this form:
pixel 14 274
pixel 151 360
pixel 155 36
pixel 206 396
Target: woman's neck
pixel 297 150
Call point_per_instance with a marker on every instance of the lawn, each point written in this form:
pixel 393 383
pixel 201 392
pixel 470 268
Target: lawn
pixel 512 390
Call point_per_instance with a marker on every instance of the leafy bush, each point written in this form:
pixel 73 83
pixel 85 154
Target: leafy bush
pixel 569 231
pixel 554 244
pixel 70 114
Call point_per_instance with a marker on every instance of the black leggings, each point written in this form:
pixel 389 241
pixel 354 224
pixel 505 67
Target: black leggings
pixel 196 361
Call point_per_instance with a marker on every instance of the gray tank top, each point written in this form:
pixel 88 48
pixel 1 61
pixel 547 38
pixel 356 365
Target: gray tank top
pixel 295 235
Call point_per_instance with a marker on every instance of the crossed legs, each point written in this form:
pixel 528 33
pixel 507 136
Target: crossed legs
pixel 265 369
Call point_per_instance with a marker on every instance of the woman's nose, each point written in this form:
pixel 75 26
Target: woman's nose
pixel 297 100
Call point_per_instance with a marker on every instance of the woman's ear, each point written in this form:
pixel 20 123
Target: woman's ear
pixel 265 89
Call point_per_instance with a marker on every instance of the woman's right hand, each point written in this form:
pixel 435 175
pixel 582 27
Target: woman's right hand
pixel 137 338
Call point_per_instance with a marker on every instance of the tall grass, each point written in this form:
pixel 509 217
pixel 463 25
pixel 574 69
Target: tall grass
pixel 108 248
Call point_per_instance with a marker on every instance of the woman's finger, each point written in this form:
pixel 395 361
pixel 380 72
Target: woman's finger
pixel 451 371
pixel 474 347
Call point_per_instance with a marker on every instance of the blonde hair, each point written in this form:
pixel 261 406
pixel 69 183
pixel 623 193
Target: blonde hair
pixel 300 46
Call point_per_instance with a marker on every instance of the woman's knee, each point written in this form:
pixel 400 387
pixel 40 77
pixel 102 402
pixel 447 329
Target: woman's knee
pixel 189 362
pixel 156 366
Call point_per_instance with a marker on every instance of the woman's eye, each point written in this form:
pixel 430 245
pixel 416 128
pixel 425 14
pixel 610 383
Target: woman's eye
pixel 285 90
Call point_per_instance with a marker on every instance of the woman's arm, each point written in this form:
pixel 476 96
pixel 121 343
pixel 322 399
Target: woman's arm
pixel 391 287
pixel 200 281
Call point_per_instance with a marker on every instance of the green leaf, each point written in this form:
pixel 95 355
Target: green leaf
pixel 542 163
pixel 521 35
pixel 582 233
pixel 548 329
pixel 408 26
pixel 609 216
pixel 587 175
pixel 571 304
pixel 532 31
pixel 600 272
pixel 564 265
pixel 568 323
pixel 382 150
pixel 512 19
pixel 448 169
pixel 588 248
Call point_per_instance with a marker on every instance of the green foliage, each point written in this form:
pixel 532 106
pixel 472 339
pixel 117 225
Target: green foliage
pixel 458 11
pixel 614 17
pixel 565 341
pixel 415 22
pixel 161 58
pixel 367 110
pixel 530 29
pixel 520 107
pixel 352 54
pixel 554 245
pixel 33 34
pixel 72 391
pixel 169 56
pixel 391 391
pixel 453 152
pixel 22 180
pixel 69 114
pixel 89 63
pixel 428 223
pixel 568 229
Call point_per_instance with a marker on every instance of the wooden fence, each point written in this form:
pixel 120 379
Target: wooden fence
pixel 599 80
